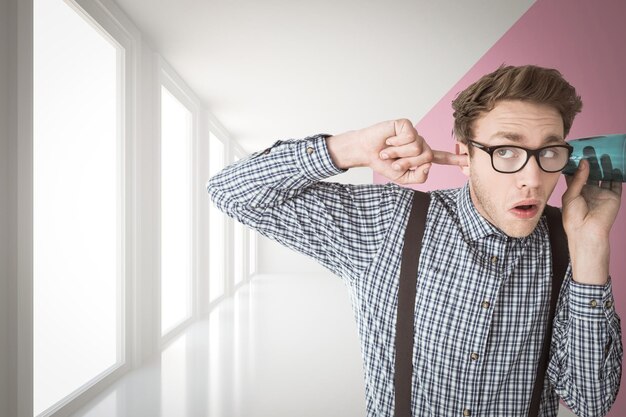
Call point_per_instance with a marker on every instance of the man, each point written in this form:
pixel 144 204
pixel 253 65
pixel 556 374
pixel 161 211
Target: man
pixel 485 269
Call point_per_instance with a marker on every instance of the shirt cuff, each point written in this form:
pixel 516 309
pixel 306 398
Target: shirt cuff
pixel 313 158
pixel 591 302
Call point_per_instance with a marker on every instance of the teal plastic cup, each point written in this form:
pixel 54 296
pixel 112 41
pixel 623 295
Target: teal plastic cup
pixel 606 156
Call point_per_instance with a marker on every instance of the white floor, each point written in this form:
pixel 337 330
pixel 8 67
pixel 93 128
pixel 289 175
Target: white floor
pixel 283 346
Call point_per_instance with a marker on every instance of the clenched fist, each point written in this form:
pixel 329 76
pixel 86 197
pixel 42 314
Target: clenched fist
pixel 393 149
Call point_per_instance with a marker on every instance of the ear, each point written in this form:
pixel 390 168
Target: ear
pixel 461 149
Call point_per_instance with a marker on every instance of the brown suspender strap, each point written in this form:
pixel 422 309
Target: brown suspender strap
pixel 405 333
pixel 560 260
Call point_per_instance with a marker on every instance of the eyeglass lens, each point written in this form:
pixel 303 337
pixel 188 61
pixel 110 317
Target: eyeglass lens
pixel 511 159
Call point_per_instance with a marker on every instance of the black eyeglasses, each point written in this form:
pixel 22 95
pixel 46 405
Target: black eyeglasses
pixel 508 159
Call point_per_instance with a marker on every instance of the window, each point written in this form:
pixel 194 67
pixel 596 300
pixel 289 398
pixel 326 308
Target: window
pixel 217 226
pixel 78 277
pixel 176 236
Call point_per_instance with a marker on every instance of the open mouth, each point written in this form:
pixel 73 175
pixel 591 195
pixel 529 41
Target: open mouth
pixel 525 211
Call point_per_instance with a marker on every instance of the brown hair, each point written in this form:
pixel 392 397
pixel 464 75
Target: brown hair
pixel 526 83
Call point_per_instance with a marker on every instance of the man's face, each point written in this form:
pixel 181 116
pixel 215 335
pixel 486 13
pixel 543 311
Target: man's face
pixel 514 202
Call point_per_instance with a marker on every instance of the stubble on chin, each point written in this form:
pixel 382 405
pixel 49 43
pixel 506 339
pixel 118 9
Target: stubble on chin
pixel 481 200
pixel 487 209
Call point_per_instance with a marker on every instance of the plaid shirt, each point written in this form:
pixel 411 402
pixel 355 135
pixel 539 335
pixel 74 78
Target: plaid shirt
pixel 482 298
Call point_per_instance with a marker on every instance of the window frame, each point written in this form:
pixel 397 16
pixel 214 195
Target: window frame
pixel 238 154
pixel 215 131
pixel 253 263
pixel 140 83
pixel 169 79
pixel 114 25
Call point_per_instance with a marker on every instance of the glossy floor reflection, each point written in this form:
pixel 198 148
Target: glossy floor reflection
pixel 283 346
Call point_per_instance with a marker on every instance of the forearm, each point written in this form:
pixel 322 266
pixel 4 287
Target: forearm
pixel 590 260
pixel 279 193
pixel 585 367
pixel 346 150
pixel 271 177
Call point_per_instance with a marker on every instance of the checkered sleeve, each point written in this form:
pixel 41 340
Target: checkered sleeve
pixel 279 193
pixel 586 353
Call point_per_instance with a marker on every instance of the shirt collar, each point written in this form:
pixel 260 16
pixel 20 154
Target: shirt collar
pixel 476 227
pixel 473 224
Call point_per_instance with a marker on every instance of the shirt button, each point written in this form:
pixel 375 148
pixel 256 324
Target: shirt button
pixel 608 304
pixel 485 304
pixel 593 303
pixel 310 150
pixel 474 356
pixel 494 260
pixel 467 412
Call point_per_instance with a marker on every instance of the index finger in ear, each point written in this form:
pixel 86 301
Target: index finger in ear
pixel 448 158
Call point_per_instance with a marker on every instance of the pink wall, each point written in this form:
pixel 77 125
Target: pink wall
pixel 586 41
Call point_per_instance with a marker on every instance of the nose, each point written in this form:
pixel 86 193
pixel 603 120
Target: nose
pixel 531 175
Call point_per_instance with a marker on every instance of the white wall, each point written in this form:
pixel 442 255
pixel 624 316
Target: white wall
pixel 276 259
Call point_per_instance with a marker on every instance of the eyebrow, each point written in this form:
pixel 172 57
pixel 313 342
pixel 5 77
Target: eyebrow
pixel 516 137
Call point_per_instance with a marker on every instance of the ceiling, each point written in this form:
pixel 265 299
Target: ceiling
pixel 278 69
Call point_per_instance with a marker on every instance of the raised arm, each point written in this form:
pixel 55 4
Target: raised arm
pixel 586 362
pixel 393 149
pixel 279 192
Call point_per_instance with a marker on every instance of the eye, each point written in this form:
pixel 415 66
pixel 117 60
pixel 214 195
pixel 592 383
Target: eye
pixel 550 152
pixel 507 153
